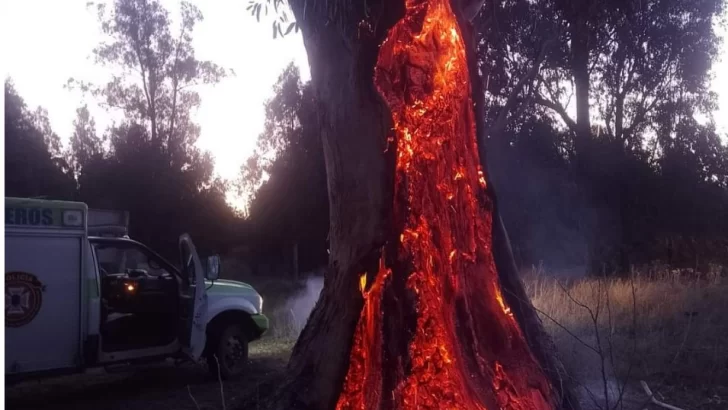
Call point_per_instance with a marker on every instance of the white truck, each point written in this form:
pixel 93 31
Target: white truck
pixel 79 294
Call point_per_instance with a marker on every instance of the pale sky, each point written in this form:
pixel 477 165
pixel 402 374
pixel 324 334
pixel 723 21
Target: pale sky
pixel 47 41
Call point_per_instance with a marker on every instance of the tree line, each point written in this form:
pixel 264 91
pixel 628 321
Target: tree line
pixel 601 141
pixel 147 163
pixel 638 173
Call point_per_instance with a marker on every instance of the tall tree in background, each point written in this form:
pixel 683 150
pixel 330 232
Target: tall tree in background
pixel 86 146
pixel 621 61
pixel 153 168
pixel 634 71
pixel 148 164
pixel 285 178
pixel 158 71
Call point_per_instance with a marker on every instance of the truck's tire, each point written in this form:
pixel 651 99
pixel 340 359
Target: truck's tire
pixel 228 353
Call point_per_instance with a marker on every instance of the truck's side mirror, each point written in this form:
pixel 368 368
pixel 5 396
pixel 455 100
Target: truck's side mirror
pixel 212 271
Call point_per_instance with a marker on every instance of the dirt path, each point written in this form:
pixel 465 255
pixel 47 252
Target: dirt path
pixel 159 387
pixel 166 386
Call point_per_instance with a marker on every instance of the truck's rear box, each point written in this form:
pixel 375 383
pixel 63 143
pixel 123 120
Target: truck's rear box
pixel 44 249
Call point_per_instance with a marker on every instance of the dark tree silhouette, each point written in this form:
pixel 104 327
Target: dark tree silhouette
pixel 34 164
pixel 638 73
pixel 147 164
pixel 290 208
pixel 152 167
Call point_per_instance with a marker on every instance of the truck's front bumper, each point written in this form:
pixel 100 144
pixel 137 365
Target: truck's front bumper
pixel 261 322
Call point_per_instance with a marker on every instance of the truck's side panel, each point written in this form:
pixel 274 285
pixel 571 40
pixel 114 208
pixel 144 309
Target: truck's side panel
pixel 51 338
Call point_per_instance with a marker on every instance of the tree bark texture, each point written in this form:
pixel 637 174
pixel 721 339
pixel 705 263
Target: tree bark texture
pixel 343 43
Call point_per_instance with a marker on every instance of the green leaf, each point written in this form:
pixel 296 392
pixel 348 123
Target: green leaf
pixel 279 30
pixel 290 27
pixel 250 7
pixel 275 29
pixel 257 14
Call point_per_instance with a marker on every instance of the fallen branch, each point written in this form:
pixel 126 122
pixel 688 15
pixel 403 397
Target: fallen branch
pixel 653 400
pixel 219 379
pixel 192 397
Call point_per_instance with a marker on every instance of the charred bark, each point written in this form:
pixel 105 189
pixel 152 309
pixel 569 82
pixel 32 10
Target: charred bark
pixel 367 272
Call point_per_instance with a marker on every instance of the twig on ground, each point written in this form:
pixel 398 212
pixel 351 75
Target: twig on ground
pixel 602 358
pixel 599 350
pixel 219 379
pixel 685 339
pixel 189 391
pixel 654 400
pixel 622 389
pixel 578 303
pixel 564 328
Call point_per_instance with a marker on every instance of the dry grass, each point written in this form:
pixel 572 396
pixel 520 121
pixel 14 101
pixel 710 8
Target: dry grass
pixel 662 326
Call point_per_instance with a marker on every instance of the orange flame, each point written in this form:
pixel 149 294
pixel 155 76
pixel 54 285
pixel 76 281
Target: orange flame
pixel 467 351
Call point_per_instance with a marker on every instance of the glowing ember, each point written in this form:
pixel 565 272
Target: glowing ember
pixel 466 350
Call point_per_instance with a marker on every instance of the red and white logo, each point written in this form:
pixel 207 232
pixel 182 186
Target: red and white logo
pixel 23 298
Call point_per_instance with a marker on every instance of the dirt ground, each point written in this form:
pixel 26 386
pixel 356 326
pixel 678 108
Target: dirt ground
pixel 159 387
pixel 189 387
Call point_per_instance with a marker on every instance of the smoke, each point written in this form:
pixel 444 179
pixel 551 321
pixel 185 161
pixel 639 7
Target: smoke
pixel 547 220
pixel 291 316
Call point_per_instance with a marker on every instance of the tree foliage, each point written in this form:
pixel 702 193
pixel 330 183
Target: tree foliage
pixel 282 24
pixel 34 164
pixel 286 176
pixel 637 74
pixel 148 163
pixel 158 71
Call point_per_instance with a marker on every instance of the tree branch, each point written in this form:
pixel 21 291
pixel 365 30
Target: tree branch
pixel 175 82
pixel 559 109
pixel 502 119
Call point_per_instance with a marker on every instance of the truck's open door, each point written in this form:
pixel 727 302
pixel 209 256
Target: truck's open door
pixel 193 303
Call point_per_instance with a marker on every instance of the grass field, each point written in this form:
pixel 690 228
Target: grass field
pixel 662 326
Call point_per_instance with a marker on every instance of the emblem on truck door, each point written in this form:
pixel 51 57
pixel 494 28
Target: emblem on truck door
pixel 23 298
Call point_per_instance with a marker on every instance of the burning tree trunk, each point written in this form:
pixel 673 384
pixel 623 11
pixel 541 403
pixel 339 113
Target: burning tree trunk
pixel 422 307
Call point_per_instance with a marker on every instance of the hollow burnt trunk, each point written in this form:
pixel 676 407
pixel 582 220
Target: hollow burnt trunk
pixel 421 306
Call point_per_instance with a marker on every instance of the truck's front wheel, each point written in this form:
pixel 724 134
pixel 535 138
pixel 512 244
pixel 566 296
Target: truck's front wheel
pixel 228 356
